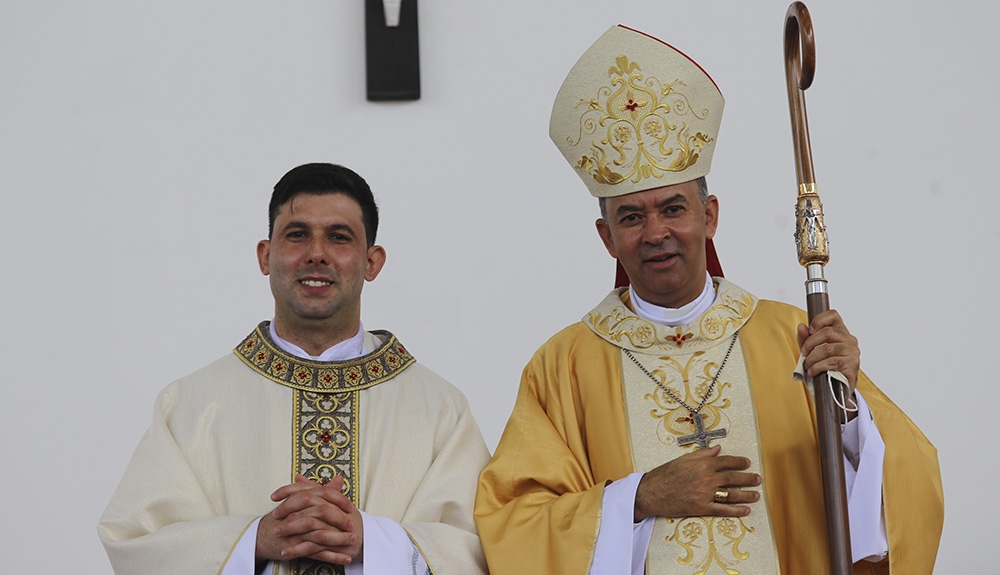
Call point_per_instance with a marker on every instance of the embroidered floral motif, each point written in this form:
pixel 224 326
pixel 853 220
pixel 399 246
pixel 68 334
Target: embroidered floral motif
pixel 692 530
pixel 260 358
pixel 689 382
pixel 257 351
pixel 615 323
pixel 621 324
pixel 652 128
pixel 623 133
pixel 327 378
pixel 353 375
pixel 729 312
pixel 301 375
pixel 727 527
pixel 612 121
pixel 702 549
pixel 680 337
pixel 279 367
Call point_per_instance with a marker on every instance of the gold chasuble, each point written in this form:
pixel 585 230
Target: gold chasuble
pixel 587 414
pixel 224 438
pixel 701 365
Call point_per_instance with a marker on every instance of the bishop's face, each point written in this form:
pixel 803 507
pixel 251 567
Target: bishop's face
pixel 659 237
pixel 318 260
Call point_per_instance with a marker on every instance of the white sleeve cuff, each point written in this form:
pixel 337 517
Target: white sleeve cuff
pixel 387 549
pixel 864 499
pixel 621 543
pixel 243 559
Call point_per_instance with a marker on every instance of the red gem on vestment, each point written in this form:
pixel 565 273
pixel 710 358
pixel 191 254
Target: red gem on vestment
pixel 632 105
pixel 325 437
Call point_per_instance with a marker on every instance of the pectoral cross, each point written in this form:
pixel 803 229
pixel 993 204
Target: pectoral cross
pixel 700 436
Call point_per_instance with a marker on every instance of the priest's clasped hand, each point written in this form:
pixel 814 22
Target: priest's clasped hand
pixel 686 486
pixel 828 346
pixel 314 521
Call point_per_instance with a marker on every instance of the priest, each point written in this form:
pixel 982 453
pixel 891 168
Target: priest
pixel 664 433
pixel 314 447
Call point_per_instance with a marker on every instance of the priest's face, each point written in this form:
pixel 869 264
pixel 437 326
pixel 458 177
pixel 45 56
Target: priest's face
pixel 659 237
pixel 318 260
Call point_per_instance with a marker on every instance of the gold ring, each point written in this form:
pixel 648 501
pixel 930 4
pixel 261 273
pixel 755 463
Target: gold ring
pixel 721 495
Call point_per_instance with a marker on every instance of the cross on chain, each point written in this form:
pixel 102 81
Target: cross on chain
pixel 700 436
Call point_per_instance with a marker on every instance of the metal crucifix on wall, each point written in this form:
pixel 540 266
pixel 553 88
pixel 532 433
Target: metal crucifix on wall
pixel 392 51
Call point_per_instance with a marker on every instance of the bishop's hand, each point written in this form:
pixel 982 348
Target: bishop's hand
pixel 686 486
pixel 312 520
pixel 828 346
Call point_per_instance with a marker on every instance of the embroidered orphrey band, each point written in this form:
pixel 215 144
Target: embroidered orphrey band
pixel 325 406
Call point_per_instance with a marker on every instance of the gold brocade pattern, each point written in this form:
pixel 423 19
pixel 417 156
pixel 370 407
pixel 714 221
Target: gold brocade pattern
pixel 614 322
pixel 720 532
pixel 685 359
pixel 731 311
pixel 689 381
pixel 699 545
pixel 259 352
pixel 640 128
pixel 325 406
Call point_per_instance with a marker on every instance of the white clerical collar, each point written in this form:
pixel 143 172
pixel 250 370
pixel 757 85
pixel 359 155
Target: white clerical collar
pixel 680 316
pixel 347 349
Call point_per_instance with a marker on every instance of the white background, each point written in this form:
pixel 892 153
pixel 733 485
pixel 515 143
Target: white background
pixel 139 142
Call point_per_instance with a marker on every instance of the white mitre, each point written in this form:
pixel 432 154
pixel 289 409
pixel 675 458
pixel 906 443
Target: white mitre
pixel 634 114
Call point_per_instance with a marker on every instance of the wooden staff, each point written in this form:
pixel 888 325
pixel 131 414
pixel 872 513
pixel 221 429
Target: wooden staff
pixel 811 241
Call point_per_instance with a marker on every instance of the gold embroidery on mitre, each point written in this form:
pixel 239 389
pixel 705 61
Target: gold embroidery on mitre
pixel 325 407
pixel 640 127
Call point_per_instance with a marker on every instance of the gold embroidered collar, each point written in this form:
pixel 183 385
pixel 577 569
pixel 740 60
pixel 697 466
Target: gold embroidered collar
pixel 614 321
pixel 263 356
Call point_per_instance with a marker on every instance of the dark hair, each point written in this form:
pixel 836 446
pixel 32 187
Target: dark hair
pixel 702 195
pixel 321 179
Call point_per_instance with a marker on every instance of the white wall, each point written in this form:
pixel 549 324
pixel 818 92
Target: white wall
pixel 139 142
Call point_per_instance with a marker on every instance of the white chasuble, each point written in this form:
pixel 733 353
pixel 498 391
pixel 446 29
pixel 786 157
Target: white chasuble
pixel 701 365
pixel 325 406
pixel 224 438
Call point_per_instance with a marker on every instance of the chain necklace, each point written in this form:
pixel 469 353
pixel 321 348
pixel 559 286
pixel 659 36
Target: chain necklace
pixel 700 436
